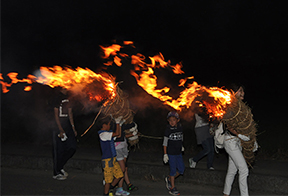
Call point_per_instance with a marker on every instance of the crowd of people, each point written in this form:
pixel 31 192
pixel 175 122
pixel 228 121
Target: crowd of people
pixel 114 148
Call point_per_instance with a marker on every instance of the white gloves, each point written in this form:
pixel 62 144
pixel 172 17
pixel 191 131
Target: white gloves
pixel 122 122
pixel 134 132
pixel 255 146
pixel 165 158
pixel 118 119
pixel 134 128
pixel 183 149
pixel 244 137
pixel 64 137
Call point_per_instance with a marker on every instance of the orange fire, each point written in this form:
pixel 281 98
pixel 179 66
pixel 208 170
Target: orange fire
pixel 102 87
pixel 14 80
pixel 215 100
pixel 99 87
pixel 28 88
pixel 111 50
pixel 148 81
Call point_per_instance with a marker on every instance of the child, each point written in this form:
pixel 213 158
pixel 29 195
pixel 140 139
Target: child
pixel 121 147
pixel 173 148
pixel 110 165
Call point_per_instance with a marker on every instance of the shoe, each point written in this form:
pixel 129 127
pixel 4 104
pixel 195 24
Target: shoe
pixel 211 168
pixel 192 164
pixel 59 177
pixel 131 187
pixel 168 183
pixel 120 191
pixel 111 192
pixel 174 191
pixel 64 172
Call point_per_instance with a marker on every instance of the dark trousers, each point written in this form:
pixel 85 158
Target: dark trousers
pixel 63 150
pixel 208 149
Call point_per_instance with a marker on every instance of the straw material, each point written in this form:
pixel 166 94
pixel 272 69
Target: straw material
pixel 119 107
pixel 238 116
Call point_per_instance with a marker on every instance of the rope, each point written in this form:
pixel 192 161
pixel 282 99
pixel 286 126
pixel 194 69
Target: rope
pixel 151 137
pixel 239 109
pixel 251 120
pixel 93 121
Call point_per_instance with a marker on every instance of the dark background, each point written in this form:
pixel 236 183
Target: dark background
pixel 219 42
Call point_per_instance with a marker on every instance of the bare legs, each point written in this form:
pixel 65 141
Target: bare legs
pixel 172 179
pixel 107 185
pixel 122 164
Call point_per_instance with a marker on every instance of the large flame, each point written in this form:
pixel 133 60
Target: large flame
pixel 102 87
pixel 99 87
pixel 214 99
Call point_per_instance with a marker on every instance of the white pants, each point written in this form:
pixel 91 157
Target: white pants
pixel 236 162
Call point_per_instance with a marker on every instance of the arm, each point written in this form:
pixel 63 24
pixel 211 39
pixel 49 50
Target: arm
pixel 183 149
pixel 118 127
pixel 165 157
pixel 132 129
pixel 165 141
pixel 120 132
pixel 233 131
pixel 127 135
pixel 242 137
pixel 70 114
pixel 165 149
pixel 165 144
pixel 117 133
pixel 56 112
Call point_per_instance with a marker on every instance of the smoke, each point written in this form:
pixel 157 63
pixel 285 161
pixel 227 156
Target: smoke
pixel 142 100
pixel 90 96
pixel 27 116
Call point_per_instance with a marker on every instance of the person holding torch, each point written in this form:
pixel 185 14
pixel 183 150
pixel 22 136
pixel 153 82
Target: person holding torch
pixel 237 161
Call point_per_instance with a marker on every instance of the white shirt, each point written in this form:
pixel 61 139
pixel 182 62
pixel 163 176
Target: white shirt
pixel 105 136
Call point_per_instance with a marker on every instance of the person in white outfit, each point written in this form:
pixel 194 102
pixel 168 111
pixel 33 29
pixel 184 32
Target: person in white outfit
pixel 236 162
pixel 232 145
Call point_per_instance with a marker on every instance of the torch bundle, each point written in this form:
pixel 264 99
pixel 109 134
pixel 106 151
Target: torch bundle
pixel 239 117
pixel 120 107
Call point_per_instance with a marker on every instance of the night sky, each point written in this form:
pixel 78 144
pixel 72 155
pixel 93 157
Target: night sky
pixel 218 42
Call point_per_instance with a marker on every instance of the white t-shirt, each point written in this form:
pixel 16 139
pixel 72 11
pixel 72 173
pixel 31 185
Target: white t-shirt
pixel 104 136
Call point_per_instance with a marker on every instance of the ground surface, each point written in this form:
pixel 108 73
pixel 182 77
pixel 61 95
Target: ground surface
pixel 15 181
